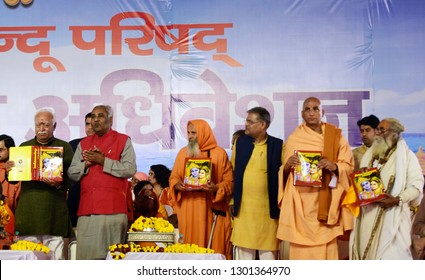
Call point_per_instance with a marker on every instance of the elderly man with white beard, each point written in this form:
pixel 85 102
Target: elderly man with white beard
pixel 382 230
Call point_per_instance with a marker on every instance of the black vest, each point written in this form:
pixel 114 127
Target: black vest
pixel 244 148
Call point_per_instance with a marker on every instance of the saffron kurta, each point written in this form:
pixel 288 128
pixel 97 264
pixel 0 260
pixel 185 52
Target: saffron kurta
pixel 298 221
pixel 194 209
pixel 253 225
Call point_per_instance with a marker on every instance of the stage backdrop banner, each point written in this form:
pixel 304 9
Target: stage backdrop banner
pixel 160 63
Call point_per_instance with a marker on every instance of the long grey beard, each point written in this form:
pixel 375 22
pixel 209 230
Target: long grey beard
pixel 193 150
pixel 380 148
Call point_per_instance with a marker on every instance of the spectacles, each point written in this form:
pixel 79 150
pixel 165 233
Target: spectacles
pixel 382 130
pixel 251 122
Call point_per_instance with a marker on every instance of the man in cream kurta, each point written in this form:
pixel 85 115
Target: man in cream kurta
pixel 312 234
pixel 382 230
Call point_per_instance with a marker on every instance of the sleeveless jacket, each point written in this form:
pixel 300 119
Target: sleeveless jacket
pixel 101 192
pixel 244 148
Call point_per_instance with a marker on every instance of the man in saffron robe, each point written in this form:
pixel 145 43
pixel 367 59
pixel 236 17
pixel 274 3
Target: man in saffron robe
pixel 196 209
pixel 382 230
pixel 256 158
pixel 102 164
pixel 311 218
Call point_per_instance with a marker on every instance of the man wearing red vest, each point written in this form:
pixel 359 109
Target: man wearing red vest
pixel 102 164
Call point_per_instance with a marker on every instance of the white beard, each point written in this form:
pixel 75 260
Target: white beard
pixel 380 147
pixel 193 150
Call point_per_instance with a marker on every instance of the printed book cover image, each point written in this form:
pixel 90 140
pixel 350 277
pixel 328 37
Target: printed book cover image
pixel 36 163
pixel 51 162
pixel 368 185
pixel 197 173
pixel 307 173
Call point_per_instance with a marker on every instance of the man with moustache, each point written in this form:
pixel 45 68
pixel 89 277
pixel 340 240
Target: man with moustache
pixel 42 212
pixel 368 130
pixel 256 157
pixel 382 230
pixel 102 164
pixel 196 210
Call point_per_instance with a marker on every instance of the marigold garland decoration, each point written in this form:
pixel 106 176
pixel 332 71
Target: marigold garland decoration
pixel 187 248
pixel 118 251
pixel 157 224
pixel 4 214
pixel 24 245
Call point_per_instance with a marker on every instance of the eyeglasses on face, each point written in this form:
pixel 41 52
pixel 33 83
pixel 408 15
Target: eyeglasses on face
pixel 382 130
pixel 251 122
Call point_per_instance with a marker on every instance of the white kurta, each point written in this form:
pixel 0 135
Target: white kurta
pixel 392 236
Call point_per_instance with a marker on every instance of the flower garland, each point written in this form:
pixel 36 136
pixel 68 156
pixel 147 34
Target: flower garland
pixel 118 251
pixel 4 214
pixel 157 224
pixel 187 248
pixel 24 245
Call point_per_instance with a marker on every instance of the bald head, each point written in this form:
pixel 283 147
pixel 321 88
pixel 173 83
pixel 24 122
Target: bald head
pixel 311 99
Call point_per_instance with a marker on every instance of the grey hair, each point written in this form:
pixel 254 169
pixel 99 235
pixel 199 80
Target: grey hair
pixel 46 110
pixel 263 114
pixel 107 108
pixel 395 125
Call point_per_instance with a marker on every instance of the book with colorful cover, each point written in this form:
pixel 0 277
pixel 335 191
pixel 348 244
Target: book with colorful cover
pixel 33 163
pixel 307 173
pixel 368 185
pixel 197 173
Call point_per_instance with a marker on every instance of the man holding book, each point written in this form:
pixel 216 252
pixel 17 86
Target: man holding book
pixel 42 212
pixel 382 230
pixel 312 217
pixel 197 208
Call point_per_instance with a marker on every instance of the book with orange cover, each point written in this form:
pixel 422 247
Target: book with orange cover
pixel 307 173
pixel 197 173
pixel 368 185
pixel 36 163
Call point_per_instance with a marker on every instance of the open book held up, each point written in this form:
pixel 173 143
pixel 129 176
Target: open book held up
pixel 33 163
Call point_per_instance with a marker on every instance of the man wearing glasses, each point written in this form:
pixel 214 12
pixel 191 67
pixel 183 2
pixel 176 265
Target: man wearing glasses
pixel 382 230
pixel 256 158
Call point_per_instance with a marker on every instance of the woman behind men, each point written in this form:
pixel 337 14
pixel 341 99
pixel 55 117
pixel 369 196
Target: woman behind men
pixel 159 175
pixel 139 191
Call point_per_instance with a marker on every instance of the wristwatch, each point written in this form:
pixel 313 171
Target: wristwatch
pixel 400 202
